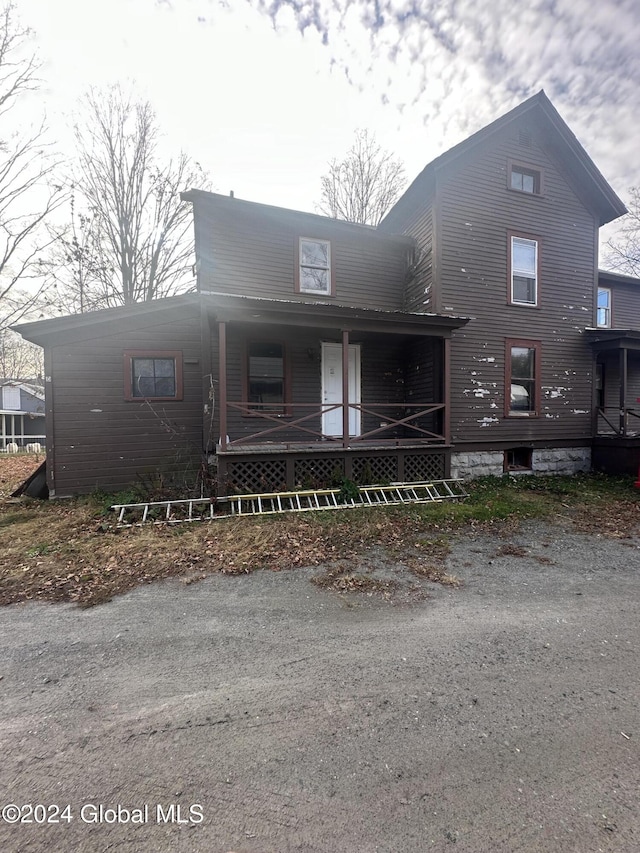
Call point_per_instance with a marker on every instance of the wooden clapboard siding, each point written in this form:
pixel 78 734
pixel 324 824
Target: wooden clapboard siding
pixel 102 440
pixel 251 249
pixel 476 211
pixel 470 211
pixel 625 300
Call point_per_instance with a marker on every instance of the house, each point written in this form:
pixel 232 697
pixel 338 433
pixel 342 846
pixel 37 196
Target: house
pixel 456 332
pixel 21 413
pixel 615 343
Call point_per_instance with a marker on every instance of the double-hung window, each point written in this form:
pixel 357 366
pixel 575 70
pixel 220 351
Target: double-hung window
pixel 522 378
pixel 524 266
pixel 314 267
pixel 604 308
pixel 266 377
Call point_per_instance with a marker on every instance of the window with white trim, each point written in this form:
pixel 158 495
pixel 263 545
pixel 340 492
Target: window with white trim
pixel 603 320
pixel 314 272
pixel 524 271
pixel 10 398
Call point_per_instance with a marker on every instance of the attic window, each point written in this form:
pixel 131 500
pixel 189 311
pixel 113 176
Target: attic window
pixel 314 273
pixel 153 374
pixel 524 179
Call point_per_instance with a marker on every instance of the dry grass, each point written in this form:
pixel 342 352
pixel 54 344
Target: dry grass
pixel 73 550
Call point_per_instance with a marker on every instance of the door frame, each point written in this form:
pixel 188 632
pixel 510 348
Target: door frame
pixel 357 388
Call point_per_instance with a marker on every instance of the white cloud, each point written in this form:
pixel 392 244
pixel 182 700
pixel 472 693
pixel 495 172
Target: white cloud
pixel 264 92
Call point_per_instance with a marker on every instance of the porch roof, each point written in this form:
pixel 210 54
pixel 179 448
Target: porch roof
pixel 602 340
pixel 327 315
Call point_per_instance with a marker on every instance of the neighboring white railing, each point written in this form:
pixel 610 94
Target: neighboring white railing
pixel 22 443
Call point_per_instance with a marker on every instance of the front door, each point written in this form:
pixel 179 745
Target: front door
pixel 332 388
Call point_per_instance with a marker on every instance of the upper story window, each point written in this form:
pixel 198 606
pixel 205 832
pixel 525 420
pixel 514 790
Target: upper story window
pixel 153 374
pixel 603 319
pixel 314 267
pixel 10 398
pixel 523 278
pixel 524 179
pixel 522 378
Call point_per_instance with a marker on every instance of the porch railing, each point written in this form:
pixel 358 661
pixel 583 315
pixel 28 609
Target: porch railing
pixel 21 439
pixel 283 422
pixel 617 420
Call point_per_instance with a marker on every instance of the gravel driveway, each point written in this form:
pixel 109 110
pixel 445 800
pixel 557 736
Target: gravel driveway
pixel 261 714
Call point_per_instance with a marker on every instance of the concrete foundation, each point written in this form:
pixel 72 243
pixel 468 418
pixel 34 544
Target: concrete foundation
pixel 563 460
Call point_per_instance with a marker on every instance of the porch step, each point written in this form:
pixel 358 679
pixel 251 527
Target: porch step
pixel 276 503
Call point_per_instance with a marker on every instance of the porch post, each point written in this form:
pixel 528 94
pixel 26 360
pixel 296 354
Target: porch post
pixel 623 391
pixel 222 382
pixel 446 397
pixel 208 440
pixel 345 388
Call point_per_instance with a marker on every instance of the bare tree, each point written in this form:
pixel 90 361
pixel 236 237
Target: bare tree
pixel 130 236
pixel 26 196
pixel 19 359
pixel 364 185
pixel 624 251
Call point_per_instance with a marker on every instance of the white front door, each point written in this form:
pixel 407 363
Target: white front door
pixel 332 388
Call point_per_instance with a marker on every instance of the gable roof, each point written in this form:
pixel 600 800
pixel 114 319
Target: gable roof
pixel 563 142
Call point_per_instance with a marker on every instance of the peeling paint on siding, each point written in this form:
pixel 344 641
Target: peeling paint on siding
pixel 554 393
pixel 485 422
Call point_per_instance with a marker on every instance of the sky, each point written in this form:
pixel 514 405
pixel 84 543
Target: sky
pixel 263 93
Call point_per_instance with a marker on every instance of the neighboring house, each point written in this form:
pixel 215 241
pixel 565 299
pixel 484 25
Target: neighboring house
pixel 456 331
pixel 615 343
pixel 21 413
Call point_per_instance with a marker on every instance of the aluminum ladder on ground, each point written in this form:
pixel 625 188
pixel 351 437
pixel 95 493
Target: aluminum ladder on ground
pixel 276 503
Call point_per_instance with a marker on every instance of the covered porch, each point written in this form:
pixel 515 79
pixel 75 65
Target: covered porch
pixel 616 411
pixel 305 395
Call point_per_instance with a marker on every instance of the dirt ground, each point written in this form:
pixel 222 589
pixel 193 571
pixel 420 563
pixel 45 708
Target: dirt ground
pixel 265 714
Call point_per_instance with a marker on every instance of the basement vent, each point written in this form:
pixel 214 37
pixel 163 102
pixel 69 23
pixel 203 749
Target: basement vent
pixel 524 138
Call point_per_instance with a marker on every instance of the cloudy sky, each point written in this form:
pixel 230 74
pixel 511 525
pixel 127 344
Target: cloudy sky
pixel 264 92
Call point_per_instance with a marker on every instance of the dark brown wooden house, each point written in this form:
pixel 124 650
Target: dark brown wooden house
pixel 506 225
pixel 455 333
